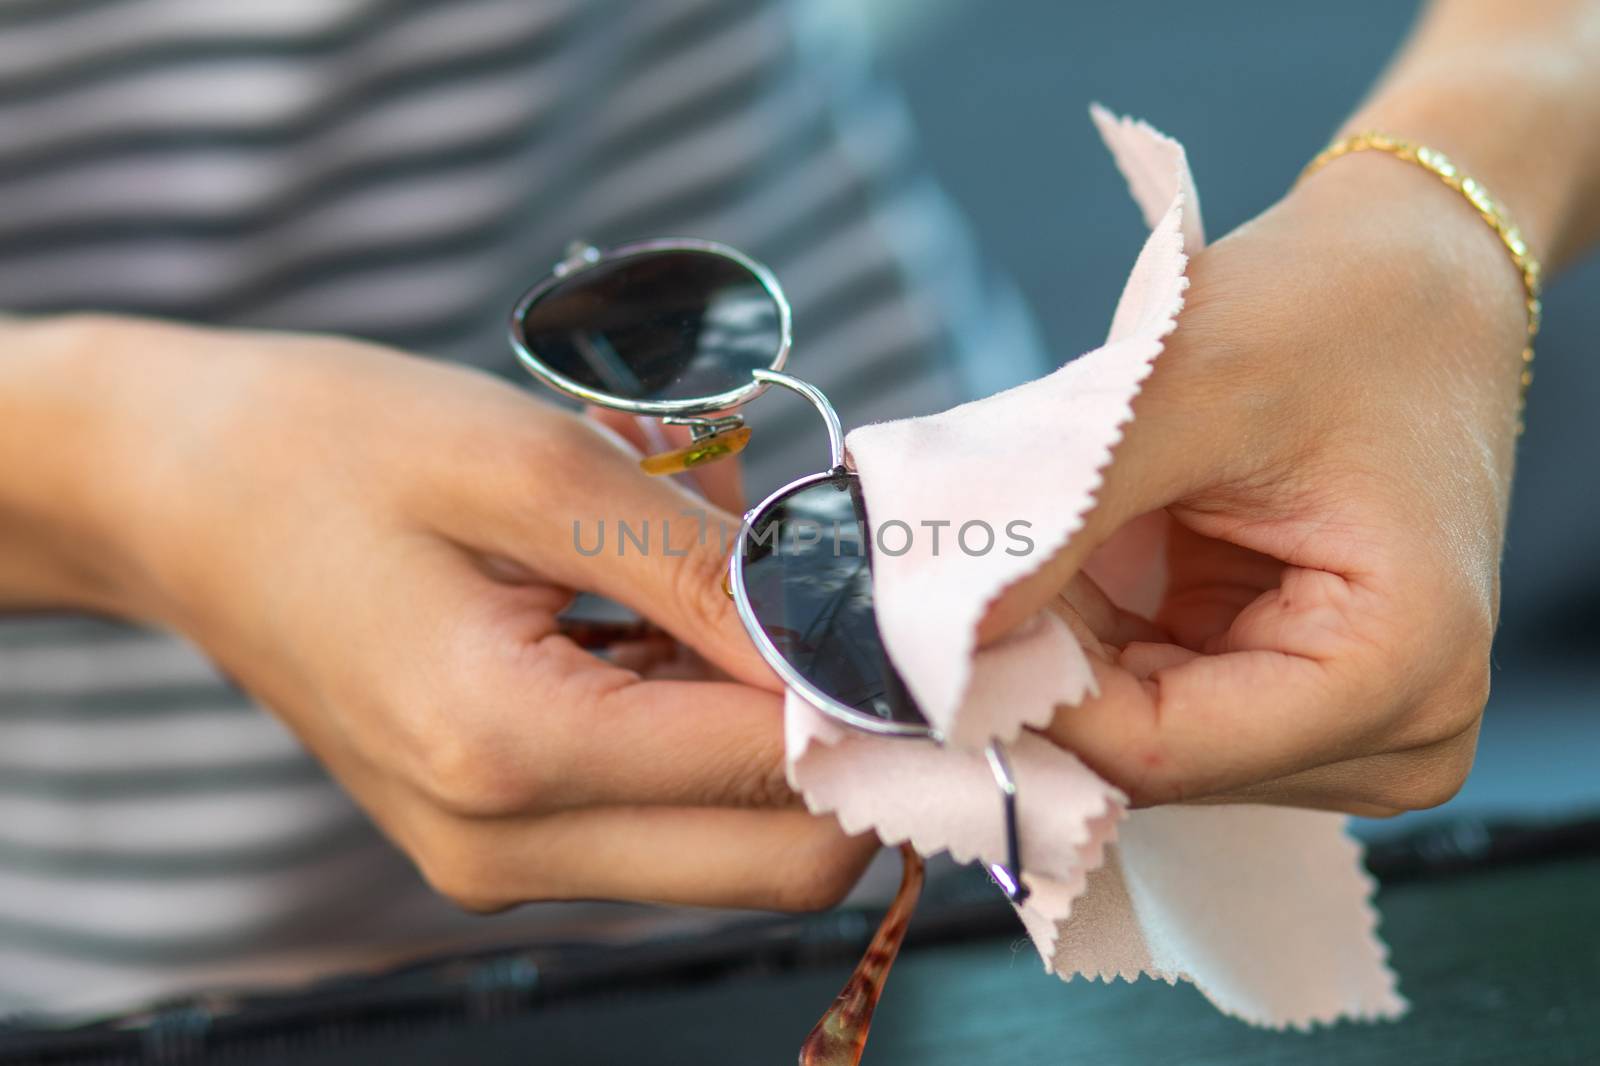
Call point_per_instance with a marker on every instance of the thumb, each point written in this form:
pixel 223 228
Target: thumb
pixel 657 547
pixel 1182 442
pixel 679 578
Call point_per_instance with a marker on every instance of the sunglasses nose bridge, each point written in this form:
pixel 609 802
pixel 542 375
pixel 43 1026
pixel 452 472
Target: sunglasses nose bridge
pixel 815 397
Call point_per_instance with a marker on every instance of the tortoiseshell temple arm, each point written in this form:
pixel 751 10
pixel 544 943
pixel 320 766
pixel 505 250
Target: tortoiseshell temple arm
pixel 841 1035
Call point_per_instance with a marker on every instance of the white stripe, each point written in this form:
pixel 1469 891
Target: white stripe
pixel 191 740
pixel 148 661
pixel 440 206
pixel 800 191
pixel 262 92
pixel 401 295
pixel 837 263
pixel 701 158
pixel 753 43
pixel 228 820
pixel 196 907
pixel 201 183
pixel 160 272
pixel 244 94
pixel 396 296
pixel 42 45
pixel 644 21
pixel 856 343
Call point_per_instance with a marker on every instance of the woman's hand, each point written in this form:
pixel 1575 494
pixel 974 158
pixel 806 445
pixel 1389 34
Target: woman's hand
pixel 1330 436
pixel 377 547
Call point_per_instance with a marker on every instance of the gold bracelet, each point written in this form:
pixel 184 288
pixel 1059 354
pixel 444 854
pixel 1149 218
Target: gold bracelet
pixel 1488 208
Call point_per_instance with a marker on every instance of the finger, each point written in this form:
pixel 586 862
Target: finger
pixel 686 743
pixel 1212 723
pixel 631 428
pixel 683 743
pixel 783 860
pixel 1108 623
pixel 681 584
pixel 1209 582
pixel 1375 786
pixel 1304 676
pixel 572 505
pixel 1301 800
pixel 605 736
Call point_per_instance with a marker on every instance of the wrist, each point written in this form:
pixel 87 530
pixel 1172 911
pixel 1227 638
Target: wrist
pixel 1520 120
pixel 69 484
pixel 1375 204
pixel 1418 254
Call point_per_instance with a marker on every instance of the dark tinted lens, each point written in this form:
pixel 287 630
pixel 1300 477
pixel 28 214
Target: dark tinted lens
pixel 807 575
pixel 657 326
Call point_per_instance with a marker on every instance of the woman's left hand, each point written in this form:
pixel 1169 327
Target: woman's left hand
pixel 1330 434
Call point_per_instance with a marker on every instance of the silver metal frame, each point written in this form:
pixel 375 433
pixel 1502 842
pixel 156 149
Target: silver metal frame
pixel 1007 875
pixel 582 257
pixel 815 397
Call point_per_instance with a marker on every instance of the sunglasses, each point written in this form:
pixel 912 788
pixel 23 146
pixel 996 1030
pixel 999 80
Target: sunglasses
pixel 688 332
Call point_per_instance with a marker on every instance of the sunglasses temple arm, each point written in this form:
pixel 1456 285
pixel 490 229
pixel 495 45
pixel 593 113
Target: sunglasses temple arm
pixel 840 1036
pixel 820 402
pixel 1008 876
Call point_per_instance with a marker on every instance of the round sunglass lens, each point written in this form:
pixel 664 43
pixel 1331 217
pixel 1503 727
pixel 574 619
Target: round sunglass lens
pixel 808 579
pixel 657 326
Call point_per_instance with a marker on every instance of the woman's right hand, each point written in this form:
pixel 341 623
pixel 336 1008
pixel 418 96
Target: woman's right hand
pixel 376 546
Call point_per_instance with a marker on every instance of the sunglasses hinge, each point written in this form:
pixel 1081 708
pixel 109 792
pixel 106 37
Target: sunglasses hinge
pixel 702 428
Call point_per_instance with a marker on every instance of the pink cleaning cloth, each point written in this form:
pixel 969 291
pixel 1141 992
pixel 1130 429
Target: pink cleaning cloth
pixel 1267 911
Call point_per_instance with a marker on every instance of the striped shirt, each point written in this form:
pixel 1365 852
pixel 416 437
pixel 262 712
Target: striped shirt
pixel 397 170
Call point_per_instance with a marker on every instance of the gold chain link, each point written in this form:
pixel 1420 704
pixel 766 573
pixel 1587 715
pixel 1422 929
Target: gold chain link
pixel 1488 208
